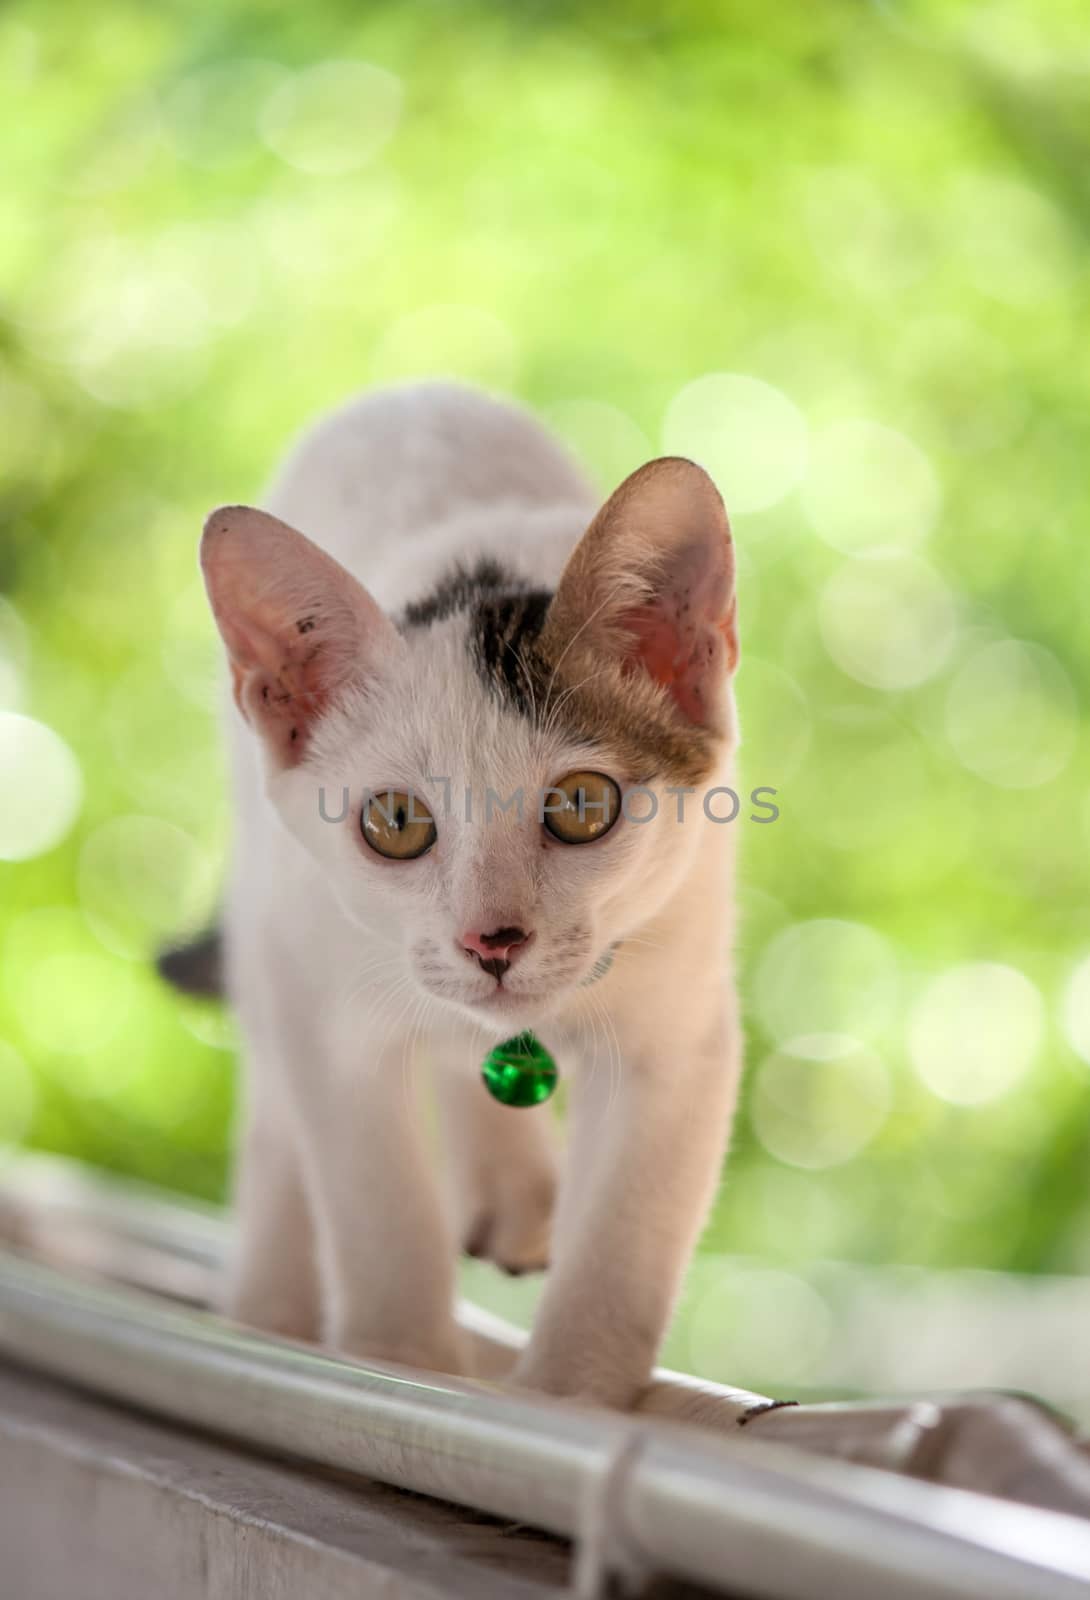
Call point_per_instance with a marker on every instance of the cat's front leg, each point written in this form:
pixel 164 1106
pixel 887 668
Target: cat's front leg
pixel 273 1282
pixel 386 1254
pixel 643 1165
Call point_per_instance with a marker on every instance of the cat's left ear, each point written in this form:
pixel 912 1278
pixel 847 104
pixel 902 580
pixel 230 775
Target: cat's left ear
pixel 298 627
pixel 650 586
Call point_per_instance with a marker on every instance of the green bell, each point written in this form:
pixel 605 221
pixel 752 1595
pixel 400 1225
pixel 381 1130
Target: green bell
pixel 519 1072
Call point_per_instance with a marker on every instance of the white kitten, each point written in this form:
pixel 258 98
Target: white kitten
pixel 499 644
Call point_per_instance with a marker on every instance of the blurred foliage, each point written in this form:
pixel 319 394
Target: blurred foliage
pixel 216 221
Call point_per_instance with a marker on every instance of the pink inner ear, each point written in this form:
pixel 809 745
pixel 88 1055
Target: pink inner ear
pixel 283 691
pixel 296 624
pixel 286 663
pixel 689 660
pixel 687 638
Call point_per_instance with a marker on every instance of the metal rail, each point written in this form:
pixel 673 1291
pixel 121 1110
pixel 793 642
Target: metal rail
pixel 736 1512
pixel 1005 1445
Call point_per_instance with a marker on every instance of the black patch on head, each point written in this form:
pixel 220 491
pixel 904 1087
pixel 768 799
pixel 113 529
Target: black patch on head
pixel 461 588
pixel 503 632
pixel 506 616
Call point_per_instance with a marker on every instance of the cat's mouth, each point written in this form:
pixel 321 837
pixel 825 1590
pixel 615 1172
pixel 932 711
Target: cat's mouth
pixel 504 1000
pixel 514 995
pixel 499 999
pixel 518 1007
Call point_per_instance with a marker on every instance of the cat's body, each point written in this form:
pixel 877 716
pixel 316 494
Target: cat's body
pixel 345 964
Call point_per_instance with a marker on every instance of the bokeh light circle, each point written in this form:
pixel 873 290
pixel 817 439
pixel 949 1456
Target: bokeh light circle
pixel 749 436
pixel 72 999
pixel 332 117
pixel 1076 1010
pixel 603 437
pixel 974 1032
pixel 129 321
pixel 758 1325
pixel 1011 714
pixel 869 486
pixel 890 622
pixel 42 788
pixel 819 1100
pixel 337 245
pixel 210 117
pixel 784 1211
pixel 1011 241
pixel 826 977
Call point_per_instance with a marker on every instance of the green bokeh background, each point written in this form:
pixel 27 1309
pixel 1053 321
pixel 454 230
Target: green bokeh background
pixel 207 235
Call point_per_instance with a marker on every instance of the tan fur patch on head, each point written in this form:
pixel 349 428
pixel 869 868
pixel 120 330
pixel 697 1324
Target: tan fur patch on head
pixel 641 638
pixel 629 714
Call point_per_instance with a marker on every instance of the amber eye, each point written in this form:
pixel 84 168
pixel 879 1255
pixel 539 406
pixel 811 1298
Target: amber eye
pixel 397 824
pixel 581 807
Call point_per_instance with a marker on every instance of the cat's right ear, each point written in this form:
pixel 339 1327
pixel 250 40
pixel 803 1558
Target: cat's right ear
pixel 298 628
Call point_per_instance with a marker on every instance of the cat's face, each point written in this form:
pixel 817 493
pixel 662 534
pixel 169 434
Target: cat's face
pixel 461 838
pixel 484 780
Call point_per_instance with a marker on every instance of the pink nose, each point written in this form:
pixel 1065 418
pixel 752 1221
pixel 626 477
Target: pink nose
pixel 495 951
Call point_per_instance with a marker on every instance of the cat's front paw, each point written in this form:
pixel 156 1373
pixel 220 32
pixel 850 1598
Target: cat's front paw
pixel 511 1223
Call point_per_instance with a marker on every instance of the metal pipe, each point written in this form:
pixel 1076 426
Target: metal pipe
pixel 1008 1445
pixel 736 1512
pixel 70 1214
pixel 1004 1445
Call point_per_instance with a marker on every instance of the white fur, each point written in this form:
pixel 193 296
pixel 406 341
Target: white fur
pixel 345 967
